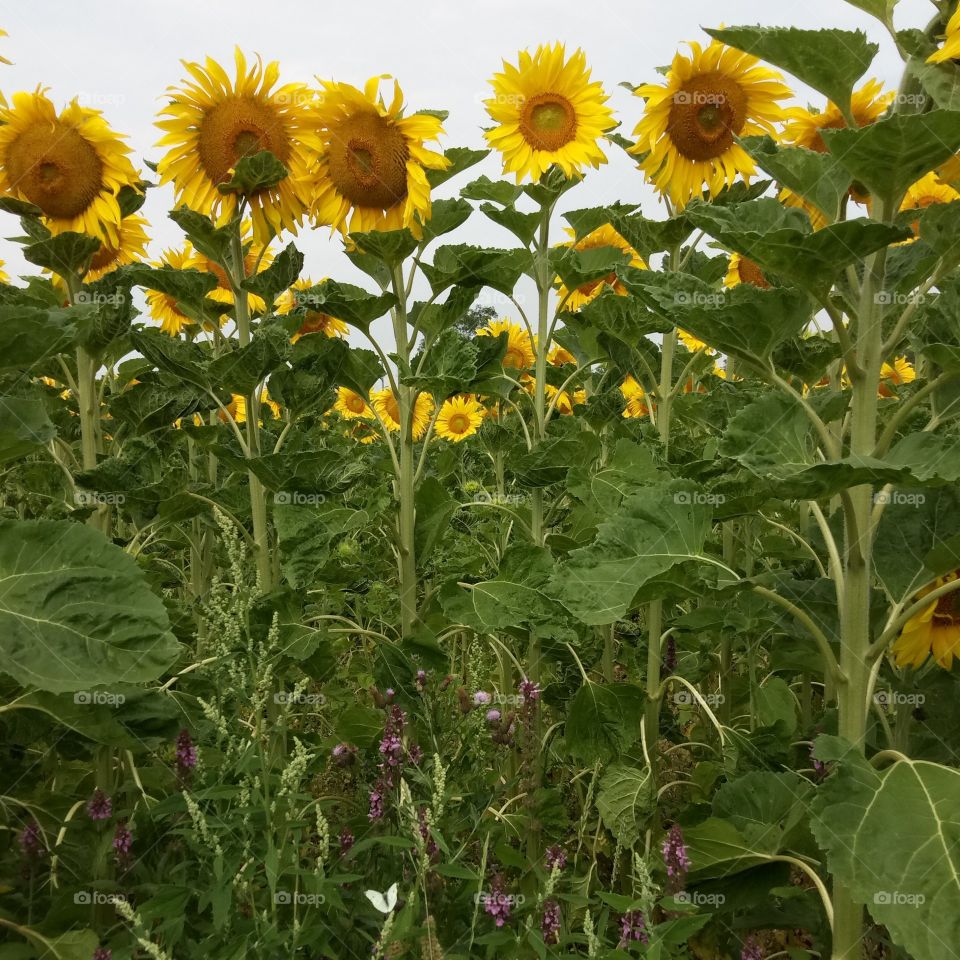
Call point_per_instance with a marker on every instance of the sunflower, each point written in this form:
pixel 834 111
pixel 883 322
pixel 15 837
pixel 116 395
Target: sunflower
pixel 363 432
pixel 691 124
pixel 71 165
pixel 692 343
pixel 162 306
pixel 256 258
pixel 459 418
pixel 804 128
pixel 604 236
pixel 744 270
pixel 951 44
pixel 351 405
pixel 548 112
pixel 927 192
pixel 388 410
pixel 894 375
pixel 520 353
pixel 211 123
pixel 936 630
pixel 818 219
pixel 372 170
pixel 560 356
pixel 565 402
pixel 315 321
pixel 238 406
pixel 636 398
pixel 4 277
pixel 131 248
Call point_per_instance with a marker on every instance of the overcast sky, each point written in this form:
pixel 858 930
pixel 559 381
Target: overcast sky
pixel 120 56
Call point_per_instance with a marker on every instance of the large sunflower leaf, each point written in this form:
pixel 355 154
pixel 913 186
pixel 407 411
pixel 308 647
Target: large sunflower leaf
pixel 625 800
pixel 830 61
pixel 349 303
pixel 650 533
pixel 75 610
pixel 904 868
pixel 895 152
pixel 279 276
pixel 476 267
pixel 28 335
pixel 881 9
pixel 24 426
pixel 603 720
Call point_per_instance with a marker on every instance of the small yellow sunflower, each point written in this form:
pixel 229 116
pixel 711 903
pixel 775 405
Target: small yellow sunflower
pixel 387 408
pixel 256 258
pixel 363 432
pixel 636 398
pixel 604 236
pixel 548 112
pixel 804 128
pixel 211 123
pixel 951 44
pixel 896 374
pixel 565 402
pixel 744 270
pixel 521 353
pixel 4 277
pixel 560 356
pixel 936 630
pixel 927 192
pixel 459 418
pixel 818 219
pixel 71 165
pixel 131 248
pixel 351 406
pixel 371 173
pixel 691 124
pixel 162 306
pixel 238 406
pixel 315 321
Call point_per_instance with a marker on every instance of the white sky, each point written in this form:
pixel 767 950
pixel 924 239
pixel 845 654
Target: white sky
pixel 119 56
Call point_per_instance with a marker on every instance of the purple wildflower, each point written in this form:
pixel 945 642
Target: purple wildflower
pixel 391 746
pixel 415 753
pixel 376 805
pixel 103 953
pixel 343 754
pixel 346 841
pixel 670 655
pixel 433 851
pixel 751 950
pixel 99 806
pixel 497 902
pixel 530 691
pixel 675 856
pixel 556 857
pixel 633 927
pixel 31 842
pixel 421 680
pixel 550 923
pixel 481 698
pixel 122 844
pixel 186 752
pixel 493 715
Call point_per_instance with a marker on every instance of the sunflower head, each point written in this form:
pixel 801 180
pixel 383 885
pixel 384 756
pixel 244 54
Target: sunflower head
pixel 934 630
pixel 804 128
pixel 372 169
pixel 548 111
pixel 459 418
pixel 894 375
pixel 603 236
pixel 131 248
pixel 162 306
pixel 951 42
pixel 637 401
pixel 213 122
pixel 744 270
pixel 4 276
pixel 688 135
pixel 315 321
pixel 71 165
pixel 521 352
pixel 351 405
pixel 387 408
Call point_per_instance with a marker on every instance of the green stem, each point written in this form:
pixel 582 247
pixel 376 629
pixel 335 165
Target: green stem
pixel 652 721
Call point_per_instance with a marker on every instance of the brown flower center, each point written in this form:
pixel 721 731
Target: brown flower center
pixel 548 121
pixel 392 408
pixel 752 274
pixel 236 128
pixel 355 403
pixel 706 115
pixel 368 161
pixel 459 423
pixel 947 611
pixel 54 167
pixel 514 358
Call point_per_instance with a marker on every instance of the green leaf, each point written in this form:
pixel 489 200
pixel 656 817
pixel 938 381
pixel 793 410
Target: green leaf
pixel 817 177
pixel 813 260
pixel 501 192
pixel 895 152
pixel 625 801
pixel 522 225
pixel 254 173
pixel 476 267
pixel 603 720
pixel 517 595
pixel 445 217
pixel 652 532
pixel 448 367
pixel 212 241
pixel 434 508
pixel 892 837
pixel 651 236
pixel 941 81
pixel 243 368
pixel 183 359
pixel 578 267
pixel 830 61
pixel 348 303
pixel 390 246
pixel 24 426
pixel 29 335
pixel 279 276
pixel 75 611
pixel 461 158
pixel 765 807
pixel 881 9
pixel 65 254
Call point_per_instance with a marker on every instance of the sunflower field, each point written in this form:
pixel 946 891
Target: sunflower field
pixel 595 593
